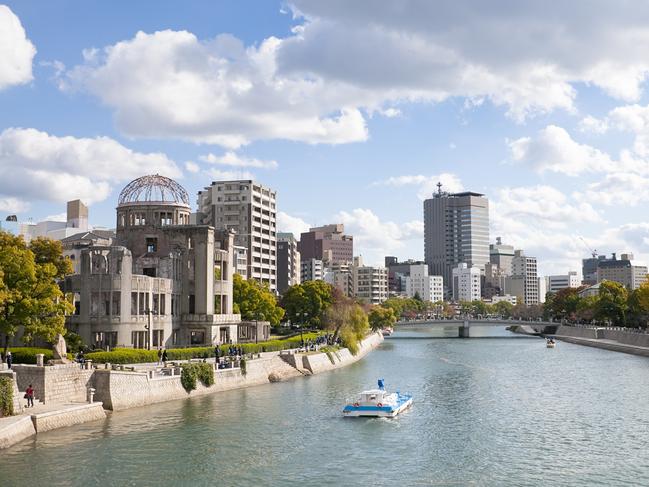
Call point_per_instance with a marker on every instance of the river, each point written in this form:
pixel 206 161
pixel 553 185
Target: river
pixel 492 411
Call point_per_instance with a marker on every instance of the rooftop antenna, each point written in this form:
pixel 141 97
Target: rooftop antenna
pixel 439 187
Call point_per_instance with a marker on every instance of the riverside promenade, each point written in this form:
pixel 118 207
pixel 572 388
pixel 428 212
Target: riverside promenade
pixel 614 339
pixel 146 384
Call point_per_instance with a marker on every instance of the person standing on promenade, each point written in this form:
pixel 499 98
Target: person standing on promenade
pixel 9 359
pixel 163 356
pixel 159 355
pixel 29 395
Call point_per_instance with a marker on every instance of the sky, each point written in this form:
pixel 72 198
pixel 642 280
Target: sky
pixel 352 111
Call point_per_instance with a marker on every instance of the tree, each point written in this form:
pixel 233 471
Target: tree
pixel 612 304
pixel 254 301
pixel 586 308
pixel 380 318
pixel 31 297
pixel 503 308
pixel 639 306
pixel 563 304
pixel 307 302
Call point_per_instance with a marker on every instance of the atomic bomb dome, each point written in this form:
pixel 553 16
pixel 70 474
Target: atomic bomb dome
pixel 153 189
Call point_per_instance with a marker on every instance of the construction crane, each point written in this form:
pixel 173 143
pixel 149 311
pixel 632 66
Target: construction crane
pixel 593 252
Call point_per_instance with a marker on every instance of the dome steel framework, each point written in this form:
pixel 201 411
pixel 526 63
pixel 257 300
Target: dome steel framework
pixel 153 189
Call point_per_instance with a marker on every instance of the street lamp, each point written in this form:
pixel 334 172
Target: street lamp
pixel 147 327
pixel 301 325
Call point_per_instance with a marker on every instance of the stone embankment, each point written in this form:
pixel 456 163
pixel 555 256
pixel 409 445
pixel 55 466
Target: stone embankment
pixel 606 338
pixel 120 390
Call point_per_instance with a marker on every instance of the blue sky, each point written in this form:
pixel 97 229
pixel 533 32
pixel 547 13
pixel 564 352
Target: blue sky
pixel 352 112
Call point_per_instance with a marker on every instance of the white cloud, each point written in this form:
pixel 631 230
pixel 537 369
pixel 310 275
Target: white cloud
pixel 619 189
pixel 192 167
pixel 373 238
pixel 552 149
pixel 13 205
pixel 427 185
pixel 171 84
pixel 37 166
pixel 16 51
pixel 232 159
pixel 319 83
pixel 590 124
pixel 291 224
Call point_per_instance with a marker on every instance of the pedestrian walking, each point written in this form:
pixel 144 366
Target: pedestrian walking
pixel 159 355
pixel 29 395
pixel 10 359
pixel 164 356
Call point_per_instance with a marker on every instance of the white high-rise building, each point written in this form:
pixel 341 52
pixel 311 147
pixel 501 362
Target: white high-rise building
pixel 311 270
pixel 249 209
pixel 429 288
pixel 466 283
pixel 525 277
pixel 370 283
pixel 559 282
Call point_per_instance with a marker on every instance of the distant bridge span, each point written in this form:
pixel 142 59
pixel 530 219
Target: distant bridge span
pixel 464 325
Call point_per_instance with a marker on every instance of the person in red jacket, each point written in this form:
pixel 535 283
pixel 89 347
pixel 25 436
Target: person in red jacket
pixel 29 395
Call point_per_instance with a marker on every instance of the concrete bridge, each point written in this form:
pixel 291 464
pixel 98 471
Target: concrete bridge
pixel 464 325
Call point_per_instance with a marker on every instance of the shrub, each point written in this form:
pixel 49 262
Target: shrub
pixel 6 396
pixel 137 356
pixel 243 365
pixel 192 372
pixel 124 356
pixel 27 355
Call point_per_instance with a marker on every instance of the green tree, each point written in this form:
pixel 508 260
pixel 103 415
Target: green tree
pixel 563 304
pixel 254 301
pixel 503 308
pixel 31 296
pixel 639 306
pixel 380 317
pixel 586 308
pixel 612 304
pixel 307 302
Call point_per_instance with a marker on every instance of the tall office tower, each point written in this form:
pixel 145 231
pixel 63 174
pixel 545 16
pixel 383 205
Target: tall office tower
pixel 501 255
pixel 623 270
pixel 525 282
pixel 563 281
pixel 466 283
pixel 456 230
pixel 328 244
pixel 288 262
pixel 311 270
pixel 249 209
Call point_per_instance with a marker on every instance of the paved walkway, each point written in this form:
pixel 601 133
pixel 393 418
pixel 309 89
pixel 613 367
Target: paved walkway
pixel 606 344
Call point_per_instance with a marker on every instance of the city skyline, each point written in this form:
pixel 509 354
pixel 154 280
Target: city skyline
pixel 555 140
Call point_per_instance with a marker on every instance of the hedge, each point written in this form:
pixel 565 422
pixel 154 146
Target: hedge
pixel 6 396
pixel 138 356
pixel 27 355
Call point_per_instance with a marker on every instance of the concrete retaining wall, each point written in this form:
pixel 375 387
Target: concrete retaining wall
pixel 55 383
pixel 15 429
pixel 577 332
pixel 68 417
pixel 123 390
pixel 627 338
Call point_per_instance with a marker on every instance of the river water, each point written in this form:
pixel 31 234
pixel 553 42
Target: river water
pixel 491 411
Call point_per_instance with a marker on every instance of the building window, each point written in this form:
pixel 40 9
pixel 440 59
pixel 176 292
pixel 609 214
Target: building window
pixel 158 338
pixel 139 339
pixel 197 337
pixel 151 245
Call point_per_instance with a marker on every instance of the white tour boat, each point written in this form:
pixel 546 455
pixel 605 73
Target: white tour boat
pixel 550 343
pixel 378 403
pixel 387 331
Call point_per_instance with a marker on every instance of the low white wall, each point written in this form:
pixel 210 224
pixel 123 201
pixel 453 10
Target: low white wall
pixel 15 429
pixel 577 332
pixel 68 417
